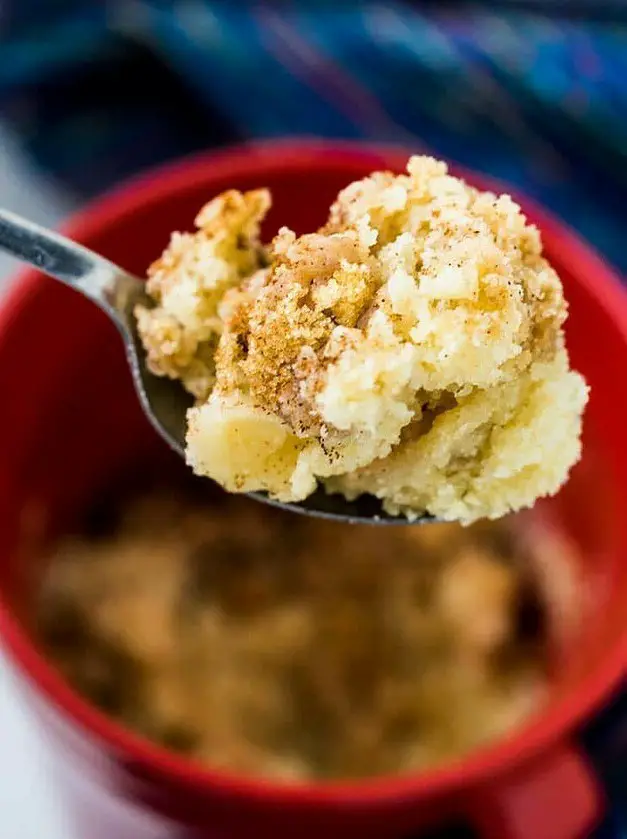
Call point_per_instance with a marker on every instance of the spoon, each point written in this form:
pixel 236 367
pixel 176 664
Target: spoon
pixel 164 401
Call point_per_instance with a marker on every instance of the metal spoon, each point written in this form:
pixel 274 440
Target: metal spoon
pixel 164 401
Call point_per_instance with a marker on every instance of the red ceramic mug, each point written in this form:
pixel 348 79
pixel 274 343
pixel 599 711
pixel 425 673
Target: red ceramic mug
pixel 70 418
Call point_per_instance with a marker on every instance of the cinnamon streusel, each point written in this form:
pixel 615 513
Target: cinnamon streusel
pixel 411 348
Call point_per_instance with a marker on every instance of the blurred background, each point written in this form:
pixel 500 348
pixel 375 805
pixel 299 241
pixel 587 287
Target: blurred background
pixel 533 92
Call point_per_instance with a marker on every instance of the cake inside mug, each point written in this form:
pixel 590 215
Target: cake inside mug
pixel 412 348
pixel 292 648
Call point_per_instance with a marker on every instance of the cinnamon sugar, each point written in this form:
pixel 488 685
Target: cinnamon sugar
pixel 420 293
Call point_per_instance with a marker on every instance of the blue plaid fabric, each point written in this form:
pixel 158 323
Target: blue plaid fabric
pixel 530 91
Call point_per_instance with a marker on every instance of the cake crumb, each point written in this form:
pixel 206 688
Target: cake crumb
pixel 412 348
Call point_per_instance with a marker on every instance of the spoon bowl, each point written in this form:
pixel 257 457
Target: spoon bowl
pixel 164 401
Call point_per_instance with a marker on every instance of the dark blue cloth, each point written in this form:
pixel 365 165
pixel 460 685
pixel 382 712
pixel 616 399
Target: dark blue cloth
pixel 531 91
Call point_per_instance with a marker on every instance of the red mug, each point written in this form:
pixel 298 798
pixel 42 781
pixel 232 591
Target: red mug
pixel 70 420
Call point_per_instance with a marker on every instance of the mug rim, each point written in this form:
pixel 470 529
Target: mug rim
pixel 545 729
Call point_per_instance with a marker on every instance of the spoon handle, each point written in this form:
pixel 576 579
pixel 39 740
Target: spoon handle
pixel 65 260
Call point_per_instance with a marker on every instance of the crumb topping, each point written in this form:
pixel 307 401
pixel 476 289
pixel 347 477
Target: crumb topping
pixel 296 649
pixel 421 301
